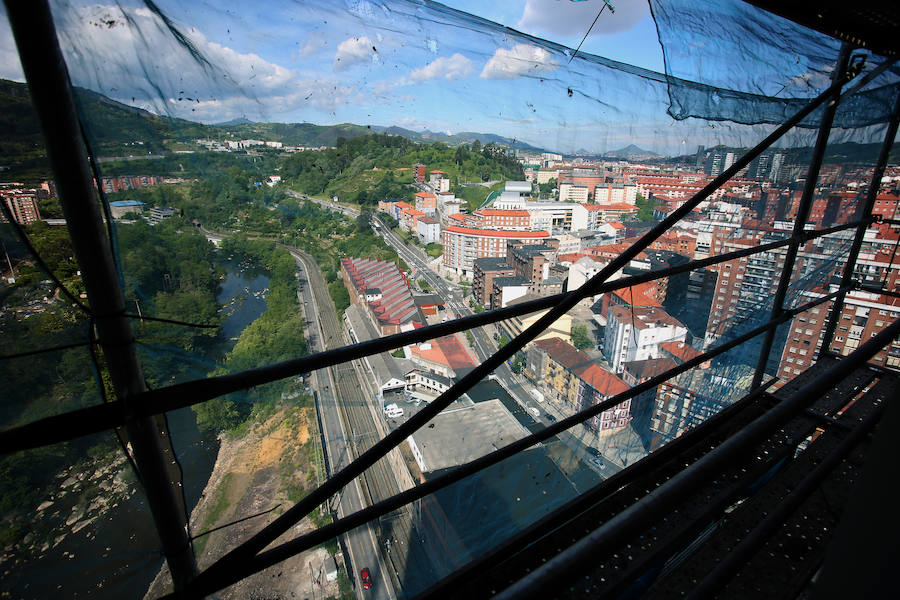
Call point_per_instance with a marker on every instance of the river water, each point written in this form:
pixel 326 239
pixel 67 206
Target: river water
pixel 117 554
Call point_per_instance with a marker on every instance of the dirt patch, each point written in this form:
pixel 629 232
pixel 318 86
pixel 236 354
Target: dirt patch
pixel 256 473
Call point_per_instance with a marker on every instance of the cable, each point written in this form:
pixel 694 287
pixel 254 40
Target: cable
pixel 611 9
pixel 97 377
pixel 23 237
pixel 170 321
pixel 241 520
pixel 43 350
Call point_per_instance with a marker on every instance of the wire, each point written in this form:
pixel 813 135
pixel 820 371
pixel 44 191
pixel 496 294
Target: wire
pixel 23 237
pixel 605 4
pixel 170 321
pixel 100 383
pixel 43 350
pixel 209 531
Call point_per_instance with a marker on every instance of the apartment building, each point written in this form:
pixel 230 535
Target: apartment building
pixel 463 245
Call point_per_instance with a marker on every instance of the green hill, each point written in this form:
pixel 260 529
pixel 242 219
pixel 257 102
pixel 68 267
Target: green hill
pixel 296 134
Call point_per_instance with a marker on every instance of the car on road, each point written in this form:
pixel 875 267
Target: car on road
pixel 592 451
pixel 366 578
pixel 551 418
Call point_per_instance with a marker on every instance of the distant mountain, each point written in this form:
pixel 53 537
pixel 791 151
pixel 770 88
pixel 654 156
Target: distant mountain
pixel 464 137
pixel 238 121
pixel 112 123
pixel 630 151
pixel 296 134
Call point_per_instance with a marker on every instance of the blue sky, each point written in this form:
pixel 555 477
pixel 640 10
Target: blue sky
pixel 400 62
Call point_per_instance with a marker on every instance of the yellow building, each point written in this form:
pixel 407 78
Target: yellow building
pixel 562 328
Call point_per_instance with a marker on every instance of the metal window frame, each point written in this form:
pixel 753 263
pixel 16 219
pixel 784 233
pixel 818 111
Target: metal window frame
pixel 136 408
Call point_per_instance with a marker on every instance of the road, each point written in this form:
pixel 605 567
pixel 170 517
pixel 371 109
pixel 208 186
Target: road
pixel 347 210
pixel 346 434
pixel 338 396
pixel 579 438
pixel 454 296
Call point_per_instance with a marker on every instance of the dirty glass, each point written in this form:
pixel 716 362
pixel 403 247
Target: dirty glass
pixel 288 178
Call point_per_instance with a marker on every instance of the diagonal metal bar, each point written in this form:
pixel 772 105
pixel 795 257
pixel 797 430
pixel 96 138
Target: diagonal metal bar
pixel 94 419
pixel 48 82
pixel 628 523
pixel 268 534
pixel 874 186
pixel 208 584
pixel 809 188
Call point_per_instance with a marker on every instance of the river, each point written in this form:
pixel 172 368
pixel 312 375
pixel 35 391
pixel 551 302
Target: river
pixel 117 554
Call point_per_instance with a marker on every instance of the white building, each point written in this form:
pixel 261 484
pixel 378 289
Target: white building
pixel 544 175
pixel 586 216
pixel 579 272
pixel 428 230
pixel 462 245
pixel 573 192
pixel 513 196
pixel 551 216
pixel 635 333
pixel 615 193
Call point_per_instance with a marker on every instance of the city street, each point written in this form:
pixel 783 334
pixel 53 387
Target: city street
pixel 618 451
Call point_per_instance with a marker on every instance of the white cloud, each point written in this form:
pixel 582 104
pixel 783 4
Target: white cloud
pixel 320 94
pixel 570 19
pixel 454 67
pixel 521 59
pixel 314 41
pixel 10 67
pixel 353 51
pixel 131 56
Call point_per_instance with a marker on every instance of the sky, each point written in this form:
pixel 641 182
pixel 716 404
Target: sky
pixel 509 70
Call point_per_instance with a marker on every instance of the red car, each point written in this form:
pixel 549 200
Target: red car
pixel 366 578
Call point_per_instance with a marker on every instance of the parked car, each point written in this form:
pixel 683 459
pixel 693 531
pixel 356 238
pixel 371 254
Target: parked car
pixel 592 451
pixel 366 578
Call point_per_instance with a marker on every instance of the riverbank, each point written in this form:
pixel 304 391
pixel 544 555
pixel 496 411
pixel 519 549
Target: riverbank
pixel 267 467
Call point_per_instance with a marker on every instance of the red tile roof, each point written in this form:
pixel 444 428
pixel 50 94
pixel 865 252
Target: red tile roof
pixel 582 366
pixel 446 350
pixel 502 213
pixel 496 232
pixel 681 351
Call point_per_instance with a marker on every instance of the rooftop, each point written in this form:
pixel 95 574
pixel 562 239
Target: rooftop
pixel 644 317
pixel 582 365
pixel 460 435
pixel 504 233
pixel 447 350
pixel 491 263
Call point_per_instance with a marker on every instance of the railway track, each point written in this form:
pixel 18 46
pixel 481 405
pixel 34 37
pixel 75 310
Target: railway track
pixel 394 531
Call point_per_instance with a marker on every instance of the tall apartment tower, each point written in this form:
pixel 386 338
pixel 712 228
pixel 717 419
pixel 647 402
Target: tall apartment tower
pixel 419 173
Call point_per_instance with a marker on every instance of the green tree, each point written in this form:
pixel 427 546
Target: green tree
pixel 581 339
pixel 645 207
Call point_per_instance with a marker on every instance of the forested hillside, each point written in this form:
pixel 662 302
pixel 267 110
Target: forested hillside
pixel 367 169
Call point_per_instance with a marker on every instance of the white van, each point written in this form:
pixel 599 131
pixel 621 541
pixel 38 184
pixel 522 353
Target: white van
pixel 392 411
